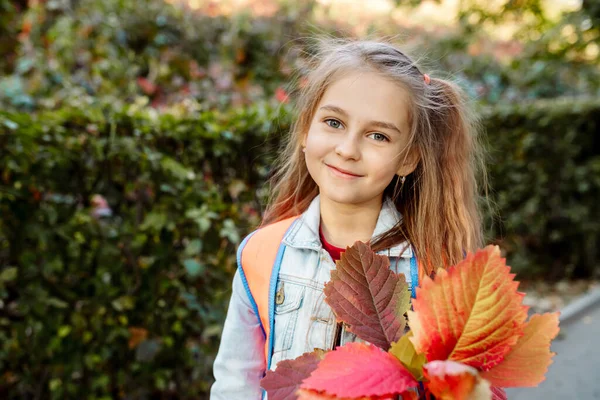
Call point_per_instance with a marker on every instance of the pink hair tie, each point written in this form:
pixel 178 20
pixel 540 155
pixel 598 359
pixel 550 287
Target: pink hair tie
pixel 426 78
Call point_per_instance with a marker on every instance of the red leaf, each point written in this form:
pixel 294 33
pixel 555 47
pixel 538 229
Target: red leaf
pixel 281 95
pixel 498 393
pixel 283 383
pixel 359 370
pixel 527 362
pixel 471 313
pixel 450 380
pixel 304 394
pixel 147 87
pixel 368 296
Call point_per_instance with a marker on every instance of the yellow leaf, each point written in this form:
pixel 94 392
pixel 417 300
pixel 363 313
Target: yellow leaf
pixel 405 351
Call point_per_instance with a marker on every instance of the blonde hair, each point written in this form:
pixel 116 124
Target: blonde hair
pixel 439 200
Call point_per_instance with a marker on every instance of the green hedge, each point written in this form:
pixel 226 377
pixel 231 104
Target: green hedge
pixel 131 305
pixel 77 293
pixel 545 174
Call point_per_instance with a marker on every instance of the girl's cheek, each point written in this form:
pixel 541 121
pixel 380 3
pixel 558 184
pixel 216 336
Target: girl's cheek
pixel 315 143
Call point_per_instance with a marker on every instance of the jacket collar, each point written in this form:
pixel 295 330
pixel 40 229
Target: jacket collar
pixel 305 232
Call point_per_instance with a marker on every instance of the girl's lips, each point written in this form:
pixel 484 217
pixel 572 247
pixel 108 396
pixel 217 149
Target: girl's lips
pixel 342 174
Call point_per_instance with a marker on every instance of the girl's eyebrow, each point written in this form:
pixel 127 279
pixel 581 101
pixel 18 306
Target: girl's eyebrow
pixel 380 124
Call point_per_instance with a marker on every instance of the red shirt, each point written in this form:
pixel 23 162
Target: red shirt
pixel 334 252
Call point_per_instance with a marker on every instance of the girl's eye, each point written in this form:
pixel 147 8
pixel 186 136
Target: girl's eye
pixel 334 123
pixel 379 137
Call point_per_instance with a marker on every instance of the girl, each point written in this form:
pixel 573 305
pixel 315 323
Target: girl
pixel 380 153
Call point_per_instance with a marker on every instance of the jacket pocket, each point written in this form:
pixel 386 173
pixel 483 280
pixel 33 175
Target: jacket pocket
pixel 288 300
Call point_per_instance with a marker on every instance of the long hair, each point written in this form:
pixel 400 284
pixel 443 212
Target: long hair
pixel 439 200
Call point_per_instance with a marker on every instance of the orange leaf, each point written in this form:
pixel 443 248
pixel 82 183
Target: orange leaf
pixel 358 370
pixel 450 380
pixel 527 362
pixel 368 296
pixel 136 336
pixel 471 313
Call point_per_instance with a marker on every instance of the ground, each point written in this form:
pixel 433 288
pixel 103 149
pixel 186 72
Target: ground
pixel 575 371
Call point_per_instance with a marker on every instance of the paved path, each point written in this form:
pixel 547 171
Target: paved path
pixel 575 373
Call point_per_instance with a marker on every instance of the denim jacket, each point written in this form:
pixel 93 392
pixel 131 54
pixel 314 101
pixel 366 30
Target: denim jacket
pixel 303 321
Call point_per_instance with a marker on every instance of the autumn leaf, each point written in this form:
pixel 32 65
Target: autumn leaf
pixel 147 86
pixel 471 313
pixel 365 294
pixel 304 394
pixel 358 370
pixel 405 351
pixel 281 95
pixel 136 336
pixel 528 361
pixel 498 393
pixel 283 383
pixel 450 380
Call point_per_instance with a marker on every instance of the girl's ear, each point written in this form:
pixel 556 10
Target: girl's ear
pixel 410 163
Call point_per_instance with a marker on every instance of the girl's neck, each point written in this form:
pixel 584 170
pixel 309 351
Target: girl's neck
pixel 344 224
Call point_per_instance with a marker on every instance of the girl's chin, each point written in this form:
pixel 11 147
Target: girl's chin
pixel 342 197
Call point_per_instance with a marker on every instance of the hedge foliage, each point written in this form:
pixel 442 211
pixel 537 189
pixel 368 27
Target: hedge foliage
pixel 95 306
pixel 59 54
pixel 124 295
pixel 115 51
pixel 545 175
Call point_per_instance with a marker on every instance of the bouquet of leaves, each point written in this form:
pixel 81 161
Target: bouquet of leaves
pixel 469 335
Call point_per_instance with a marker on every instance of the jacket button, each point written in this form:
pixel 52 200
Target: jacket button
pixel 279 296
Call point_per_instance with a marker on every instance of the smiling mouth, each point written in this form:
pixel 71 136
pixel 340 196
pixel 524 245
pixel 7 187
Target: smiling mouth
pixel 342 172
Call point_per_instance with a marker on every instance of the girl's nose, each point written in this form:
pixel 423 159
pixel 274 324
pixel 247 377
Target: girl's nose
pixel 348 147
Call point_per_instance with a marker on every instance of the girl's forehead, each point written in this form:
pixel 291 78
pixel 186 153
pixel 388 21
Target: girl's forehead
pixel 366 95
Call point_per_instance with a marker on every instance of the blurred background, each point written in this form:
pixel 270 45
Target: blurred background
pixel 136 137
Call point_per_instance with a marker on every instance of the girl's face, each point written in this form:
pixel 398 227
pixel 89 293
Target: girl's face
pixel 356 139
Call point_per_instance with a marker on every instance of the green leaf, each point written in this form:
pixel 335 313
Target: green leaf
pixel 8 274
pixel 123 303
pixel 193 247
pixel 54 302
pixel 55 384
pixel 193 267
pixel 229 231
pixel 10 124
pixel 202 216
pixel 155 221
pixel 147 350
pixel 177 169
pixel 64 331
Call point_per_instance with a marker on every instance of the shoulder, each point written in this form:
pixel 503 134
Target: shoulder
pixel 269 234
pixel 266 239
pixel 276 229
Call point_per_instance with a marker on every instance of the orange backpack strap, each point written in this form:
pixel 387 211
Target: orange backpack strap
pixel 259 258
